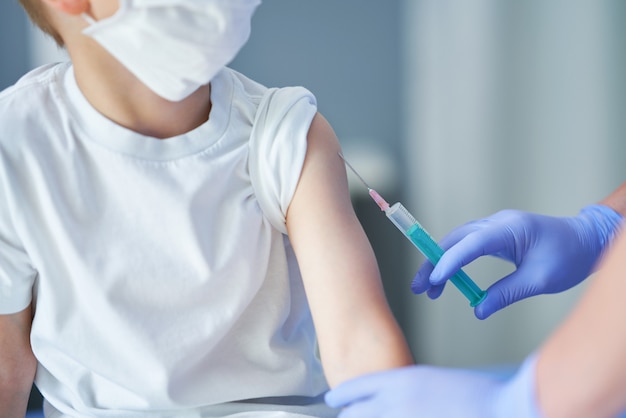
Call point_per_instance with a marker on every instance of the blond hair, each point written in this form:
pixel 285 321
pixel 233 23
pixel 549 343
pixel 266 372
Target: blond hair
pixel 39 17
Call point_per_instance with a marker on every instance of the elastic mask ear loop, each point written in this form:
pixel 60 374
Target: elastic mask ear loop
pixel 88 18
pixel 123 6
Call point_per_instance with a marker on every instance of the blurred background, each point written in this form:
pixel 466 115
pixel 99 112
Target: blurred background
pixel 456 108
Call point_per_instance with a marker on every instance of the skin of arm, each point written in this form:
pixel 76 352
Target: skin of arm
pixel 17 363
pixel 581 370
pixel 356 330
pixel 617 200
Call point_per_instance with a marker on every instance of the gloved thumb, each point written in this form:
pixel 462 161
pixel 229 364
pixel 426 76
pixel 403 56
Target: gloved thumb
pixel 510 289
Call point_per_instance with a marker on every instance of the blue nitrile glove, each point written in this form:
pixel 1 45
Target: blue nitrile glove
pixel 551 254
pixel 433 392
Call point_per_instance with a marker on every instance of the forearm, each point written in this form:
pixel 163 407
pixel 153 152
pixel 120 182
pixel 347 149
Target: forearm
pixel 617 200
pixel 581 371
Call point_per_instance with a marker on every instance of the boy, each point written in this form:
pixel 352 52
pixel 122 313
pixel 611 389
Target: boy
pixel 147 196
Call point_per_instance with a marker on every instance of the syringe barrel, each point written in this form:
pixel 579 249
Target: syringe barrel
pixel 401 217
pixel 407 224
pixel 422 240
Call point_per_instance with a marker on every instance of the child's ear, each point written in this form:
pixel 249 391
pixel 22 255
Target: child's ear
pixel 71 7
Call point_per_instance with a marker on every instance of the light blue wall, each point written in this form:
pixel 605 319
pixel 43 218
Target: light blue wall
pixel 516 104
pixel 347 52
pixel 13 42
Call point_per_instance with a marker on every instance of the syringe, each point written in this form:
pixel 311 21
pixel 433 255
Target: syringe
pixel 422 240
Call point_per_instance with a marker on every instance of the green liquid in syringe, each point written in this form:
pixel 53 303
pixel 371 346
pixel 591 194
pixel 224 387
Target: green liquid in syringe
pixel 431 250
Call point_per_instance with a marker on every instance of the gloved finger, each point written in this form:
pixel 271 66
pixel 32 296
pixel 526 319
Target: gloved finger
pixel 457 234
pixel 510 289
pixel 435 291
pixel 421 282
pixel 479 243
pixel 350 391
pixel 360 410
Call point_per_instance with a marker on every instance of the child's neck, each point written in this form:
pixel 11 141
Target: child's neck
pixel 119 96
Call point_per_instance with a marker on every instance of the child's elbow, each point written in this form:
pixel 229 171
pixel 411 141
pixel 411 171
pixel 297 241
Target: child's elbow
pixel 365 354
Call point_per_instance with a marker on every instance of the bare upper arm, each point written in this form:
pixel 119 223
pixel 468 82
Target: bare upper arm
pixel 617 199
pixel 338 266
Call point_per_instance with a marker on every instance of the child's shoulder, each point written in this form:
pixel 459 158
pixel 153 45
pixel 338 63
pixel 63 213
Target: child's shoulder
pixel 244 85
pixel 25 104
pixel 38 78
pixel 32 93
pixel 277 99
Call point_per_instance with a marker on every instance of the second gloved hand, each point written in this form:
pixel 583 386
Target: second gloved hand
pixel 434 392
pixel 551 254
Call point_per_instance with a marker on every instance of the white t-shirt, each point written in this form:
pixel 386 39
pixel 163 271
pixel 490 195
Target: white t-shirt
pixel 161 279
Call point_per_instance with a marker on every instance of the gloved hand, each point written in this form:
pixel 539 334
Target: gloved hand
pixel 432 392
pixel 551 254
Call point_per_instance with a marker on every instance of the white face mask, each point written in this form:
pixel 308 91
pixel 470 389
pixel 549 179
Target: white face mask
pixel 175 46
